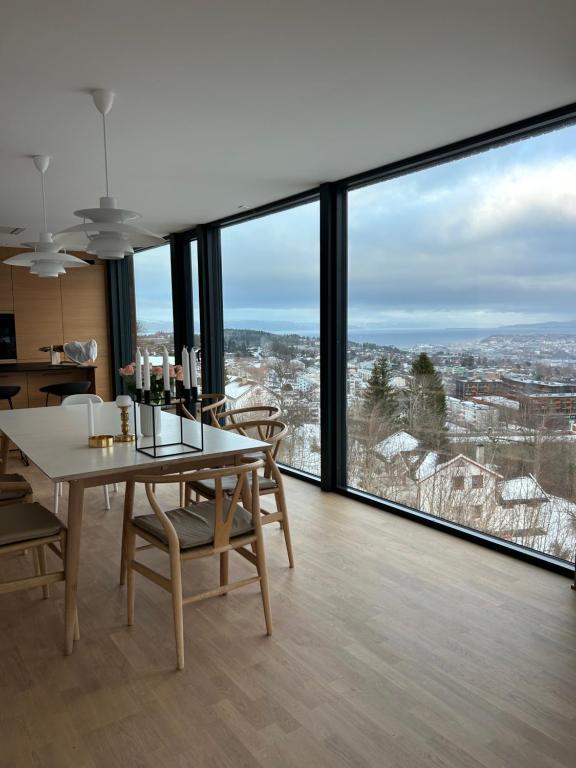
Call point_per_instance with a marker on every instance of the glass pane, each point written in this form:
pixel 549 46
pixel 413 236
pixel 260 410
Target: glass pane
pixel 153 294
pixel 462 341
pixel 271 281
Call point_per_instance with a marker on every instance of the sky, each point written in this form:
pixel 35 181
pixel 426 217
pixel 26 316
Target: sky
pixel 486 241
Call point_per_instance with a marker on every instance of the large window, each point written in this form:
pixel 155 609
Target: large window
pixel 462 341
pixel 153 299
pixel 271 284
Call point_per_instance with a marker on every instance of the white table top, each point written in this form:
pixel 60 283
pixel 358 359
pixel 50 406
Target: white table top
pixel 55 439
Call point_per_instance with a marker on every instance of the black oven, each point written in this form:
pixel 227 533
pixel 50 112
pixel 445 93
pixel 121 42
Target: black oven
pixel 7 337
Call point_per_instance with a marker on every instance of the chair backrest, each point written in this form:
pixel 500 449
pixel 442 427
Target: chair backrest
pixel 81 399
pixel 250 413
pixel 225 505
pixel 269 431
pixel 212 404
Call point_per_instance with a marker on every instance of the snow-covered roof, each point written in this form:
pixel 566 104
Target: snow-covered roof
pixel 427 465
pixel 397 382
pixel 525 488
pixel 498 400
pixel 235 388
pixel 395 444
pixel 459 459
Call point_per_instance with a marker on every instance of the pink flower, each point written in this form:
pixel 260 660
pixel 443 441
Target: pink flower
pixel 157 370
pixel 128 370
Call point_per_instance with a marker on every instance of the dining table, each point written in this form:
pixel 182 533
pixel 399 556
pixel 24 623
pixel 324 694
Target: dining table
pixel 55 440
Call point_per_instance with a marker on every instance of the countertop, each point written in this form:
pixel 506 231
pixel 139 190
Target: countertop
pixel 39 367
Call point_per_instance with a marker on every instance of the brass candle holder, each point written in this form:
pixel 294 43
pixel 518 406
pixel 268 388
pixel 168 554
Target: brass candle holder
pixel 124 402
pixel 101 441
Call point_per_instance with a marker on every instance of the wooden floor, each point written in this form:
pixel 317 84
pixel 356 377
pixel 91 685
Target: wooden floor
pixel 393 645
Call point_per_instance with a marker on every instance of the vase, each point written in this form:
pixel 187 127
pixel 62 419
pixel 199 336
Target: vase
pixel 148 423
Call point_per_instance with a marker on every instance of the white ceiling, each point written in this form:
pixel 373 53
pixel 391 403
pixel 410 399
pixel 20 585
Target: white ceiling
pixel 223 103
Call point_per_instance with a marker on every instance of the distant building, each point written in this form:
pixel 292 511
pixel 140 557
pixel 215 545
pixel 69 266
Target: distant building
pixel 471 413
pixel 467 388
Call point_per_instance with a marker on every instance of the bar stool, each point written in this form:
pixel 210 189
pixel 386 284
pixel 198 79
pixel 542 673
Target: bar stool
pixel 7 393
pixel 65 389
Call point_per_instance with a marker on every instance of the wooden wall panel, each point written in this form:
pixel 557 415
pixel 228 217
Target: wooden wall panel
pixel 38 312
pixel 6 295
pixel 54 310
pixel 85 316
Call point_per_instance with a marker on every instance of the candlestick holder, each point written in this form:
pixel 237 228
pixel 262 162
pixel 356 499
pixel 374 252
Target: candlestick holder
pixel 188 437
pixel 125 436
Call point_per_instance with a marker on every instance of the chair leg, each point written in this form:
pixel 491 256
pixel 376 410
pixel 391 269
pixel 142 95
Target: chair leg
pixel 263 573
pixel 224 560
pixel 40 568
pixel 106 497
pixel 56 498
pixel 42 563
pixel 177 608
pixel 283 509
pixel 131 586
pixel 60 489
pixel 116 488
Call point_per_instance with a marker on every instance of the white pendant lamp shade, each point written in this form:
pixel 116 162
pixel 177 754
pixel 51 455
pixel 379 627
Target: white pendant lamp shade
pixel 46 259
pixel 109 236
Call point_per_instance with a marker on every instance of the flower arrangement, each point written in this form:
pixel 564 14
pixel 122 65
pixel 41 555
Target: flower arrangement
pixel 156 379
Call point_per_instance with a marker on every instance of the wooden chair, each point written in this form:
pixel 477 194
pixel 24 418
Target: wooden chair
pixel 249 413
pixel 14 489
pixel 271 432
pixel 30 526
pixel 209 529
pixel 212 404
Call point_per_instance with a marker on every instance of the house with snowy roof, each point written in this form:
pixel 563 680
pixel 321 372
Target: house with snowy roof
pixel 461 490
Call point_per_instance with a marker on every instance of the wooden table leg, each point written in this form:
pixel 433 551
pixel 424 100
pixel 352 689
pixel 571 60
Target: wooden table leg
pixel 4 453
pixel 128 512
pixel 75 509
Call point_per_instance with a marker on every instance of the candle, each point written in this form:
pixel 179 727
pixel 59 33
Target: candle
pixel 166 369
pixel 138 373
pixel 91 430
pixel 146 371
pixel 123 401
pixel 193 372
pixel 185 368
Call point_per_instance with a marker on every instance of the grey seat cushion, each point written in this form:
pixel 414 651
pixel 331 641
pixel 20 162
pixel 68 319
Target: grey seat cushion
pixel 195 524
pixel 13 495
pixel 28 521
pixel 208 487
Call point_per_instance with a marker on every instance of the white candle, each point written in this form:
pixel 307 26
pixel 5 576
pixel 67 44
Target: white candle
pixel 90 406
pixel 193 372
pixel 146 371
pixel 185 368
pixel 138 373
pixel 166 369
pixel 123 401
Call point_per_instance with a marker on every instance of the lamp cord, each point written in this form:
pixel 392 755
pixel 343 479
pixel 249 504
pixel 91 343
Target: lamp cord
pixel 44 203
pixel 105 155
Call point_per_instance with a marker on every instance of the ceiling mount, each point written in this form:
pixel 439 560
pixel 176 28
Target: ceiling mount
pixel 103 100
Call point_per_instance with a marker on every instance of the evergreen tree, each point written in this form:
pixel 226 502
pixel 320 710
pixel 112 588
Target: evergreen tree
pixel 380 398
pixel 427 403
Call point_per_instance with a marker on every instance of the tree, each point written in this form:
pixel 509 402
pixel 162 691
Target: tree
pixel 380 399
pixel 427 403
